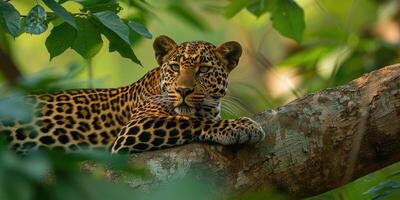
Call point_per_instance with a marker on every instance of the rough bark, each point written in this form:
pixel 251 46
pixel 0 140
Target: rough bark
pixel 313 144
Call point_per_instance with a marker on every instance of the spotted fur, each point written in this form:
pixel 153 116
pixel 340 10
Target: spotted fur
pixel 176 103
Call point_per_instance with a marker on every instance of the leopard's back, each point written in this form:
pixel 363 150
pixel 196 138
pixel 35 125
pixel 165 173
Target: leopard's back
pixel 75 119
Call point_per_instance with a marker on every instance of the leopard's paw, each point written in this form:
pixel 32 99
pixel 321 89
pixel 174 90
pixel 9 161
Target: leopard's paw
pixel 251 132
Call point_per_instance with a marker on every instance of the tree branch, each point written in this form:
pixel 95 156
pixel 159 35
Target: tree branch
pixel 7 65
pixel 313 144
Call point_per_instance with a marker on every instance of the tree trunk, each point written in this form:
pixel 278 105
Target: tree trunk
pixel 312 145
pixel 8 67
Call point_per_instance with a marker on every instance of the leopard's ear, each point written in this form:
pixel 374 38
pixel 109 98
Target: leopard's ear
pixel 163 46
pixel 230 53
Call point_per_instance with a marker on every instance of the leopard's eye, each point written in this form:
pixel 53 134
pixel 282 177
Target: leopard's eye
pixel 204 69
pixel 175 67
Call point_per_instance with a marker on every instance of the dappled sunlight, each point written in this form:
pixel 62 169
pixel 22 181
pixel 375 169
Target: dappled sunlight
pixel 282 82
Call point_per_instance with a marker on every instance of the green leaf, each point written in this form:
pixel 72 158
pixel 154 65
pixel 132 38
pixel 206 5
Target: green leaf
pixel 114 23
pixel 60 39
pixel 385 193
pixel 288 19
pixel 135 37
pixel 60 12
pixel 95 6
pixel 19 188
pixel 389 184
pixel 140 29
pixel 122 48
pixel 119 45
pixel 259 7
pixel 234 7
pixel 10 18
pixel 383 189
pixel 396 173
pixel 88 39
pixel 94 2
pixel 84 187
pixel 35 22
pixel 187 14
pixel 62 1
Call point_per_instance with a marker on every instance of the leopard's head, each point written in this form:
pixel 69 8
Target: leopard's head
pixel 194 74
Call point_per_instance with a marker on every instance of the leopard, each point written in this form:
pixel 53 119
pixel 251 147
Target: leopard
pixel 176 103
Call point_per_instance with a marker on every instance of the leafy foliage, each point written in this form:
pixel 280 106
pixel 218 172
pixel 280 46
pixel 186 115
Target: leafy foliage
pixel 288 19
pixel 384 189
pixel 140 29
pixel 83 35
pixel 60 39
pixel 258 8
pixel 50 175
pixel 10 18
pixel 35 22
pixel 119 45
pixel 112 21
pixel 234 7
pixel 286 15
pixel 60 12
pixel 88 40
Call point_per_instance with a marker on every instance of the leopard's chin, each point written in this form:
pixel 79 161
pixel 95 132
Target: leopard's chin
pixel 185 110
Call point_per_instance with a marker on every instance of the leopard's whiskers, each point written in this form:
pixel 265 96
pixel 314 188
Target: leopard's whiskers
pixel 235 103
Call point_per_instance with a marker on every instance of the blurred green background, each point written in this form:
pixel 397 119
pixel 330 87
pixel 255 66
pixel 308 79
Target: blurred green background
pixel 342 40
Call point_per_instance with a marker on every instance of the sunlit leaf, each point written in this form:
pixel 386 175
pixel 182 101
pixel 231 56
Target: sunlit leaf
pixel 88 40
pixel 60 39
pixel 288 18
pixel 114 23
pixel 35 22
pixel 140 29
pixel 9 18
pixel 60 12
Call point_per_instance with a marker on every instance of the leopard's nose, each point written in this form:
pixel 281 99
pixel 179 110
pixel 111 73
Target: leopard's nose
pixel 184 91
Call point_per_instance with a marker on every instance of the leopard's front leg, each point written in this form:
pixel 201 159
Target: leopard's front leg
pixel 233 131
pixel 149 133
